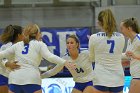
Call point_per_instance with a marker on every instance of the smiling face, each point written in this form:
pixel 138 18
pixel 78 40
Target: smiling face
pixel 72 44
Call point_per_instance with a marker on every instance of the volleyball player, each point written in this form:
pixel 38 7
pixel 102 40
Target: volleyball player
pixel 83 74
pixel 105 48
pixel 130 29
pixel 12 34
pixel 29 53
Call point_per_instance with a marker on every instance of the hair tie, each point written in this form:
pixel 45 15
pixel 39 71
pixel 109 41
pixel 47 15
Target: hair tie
pixel 133 18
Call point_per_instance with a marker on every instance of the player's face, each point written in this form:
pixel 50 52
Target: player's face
pixel 124 30
pixel 71 44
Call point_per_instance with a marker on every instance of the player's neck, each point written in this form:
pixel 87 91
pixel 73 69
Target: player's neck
pixel 74 54
pixel 15 41
pixel 132 36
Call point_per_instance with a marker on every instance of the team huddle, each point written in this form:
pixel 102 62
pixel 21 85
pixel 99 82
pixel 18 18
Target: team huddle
pixel 23 50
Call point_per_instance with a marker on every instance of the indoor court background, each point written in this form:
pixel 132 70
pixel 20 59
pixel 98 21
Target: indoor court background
pixel 59 18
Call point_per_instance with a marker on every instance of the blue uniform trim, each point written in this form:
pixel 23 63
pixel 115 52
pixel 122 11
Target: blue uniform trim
pixel 117 34
pixel 110 89
pixel 137 78
pixel 105 34
pixel 3 80
pixel 82 86
pixel 29 88
pixel 101 34
pixel 138 36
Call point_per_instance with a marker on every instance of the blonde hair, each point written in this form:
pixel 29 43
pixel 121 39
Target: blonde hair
pixel 107 21
pixel 132 22
pixel 30 32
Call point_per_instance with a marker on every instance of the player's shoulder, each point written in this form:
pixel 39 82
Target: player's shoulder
pixel 18 44
pixel 98 34
pixel 136 39
pixel 95 35
pixel 138 36
pixel 101 34
pixel 66 56
pixel 84 52
pixel 36 42
pixel 41 43
pixel 104 34
pixel 118 34
pixel 4 46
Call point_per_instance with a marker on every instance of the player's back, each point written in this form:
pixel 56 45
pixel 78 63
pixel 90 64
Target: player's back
pixel 108 49
pixel 28 57
pixel 107 52
pixel 3 70
pixel 28 53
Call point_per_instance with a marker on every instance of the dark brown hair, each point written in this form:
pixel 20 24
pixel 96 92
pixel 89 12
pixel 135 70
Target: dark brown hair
pixel 10 33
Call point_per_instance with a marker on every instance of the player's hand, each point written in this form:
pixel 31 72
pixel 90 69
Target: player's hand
pixel 12 65
pixel 70 65
pixel 131 55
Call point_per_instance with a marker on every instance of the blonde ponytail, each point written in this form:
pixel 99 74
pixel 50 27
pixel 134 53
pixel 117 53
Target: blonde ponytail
pixel 30 32
pixel 107 21
pixel 133 23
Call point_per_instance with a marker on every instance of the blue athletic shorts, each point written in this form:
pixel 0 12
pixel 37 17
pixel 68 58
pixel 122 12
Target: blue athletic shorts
pixel 82 86
pixel 3 80
pixel 29 88
pixel 137 78
pixel 110 89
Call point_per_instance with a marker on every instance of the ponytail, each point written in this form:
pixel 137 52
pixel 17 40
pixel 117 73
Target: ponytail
pixel 10 33
pixel 133 23
pixel 30 32
pixel 107 21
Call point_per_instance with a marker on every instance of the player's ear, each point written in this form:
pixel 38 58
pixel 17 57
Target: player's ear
pixel 129 28
pixel 78 45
